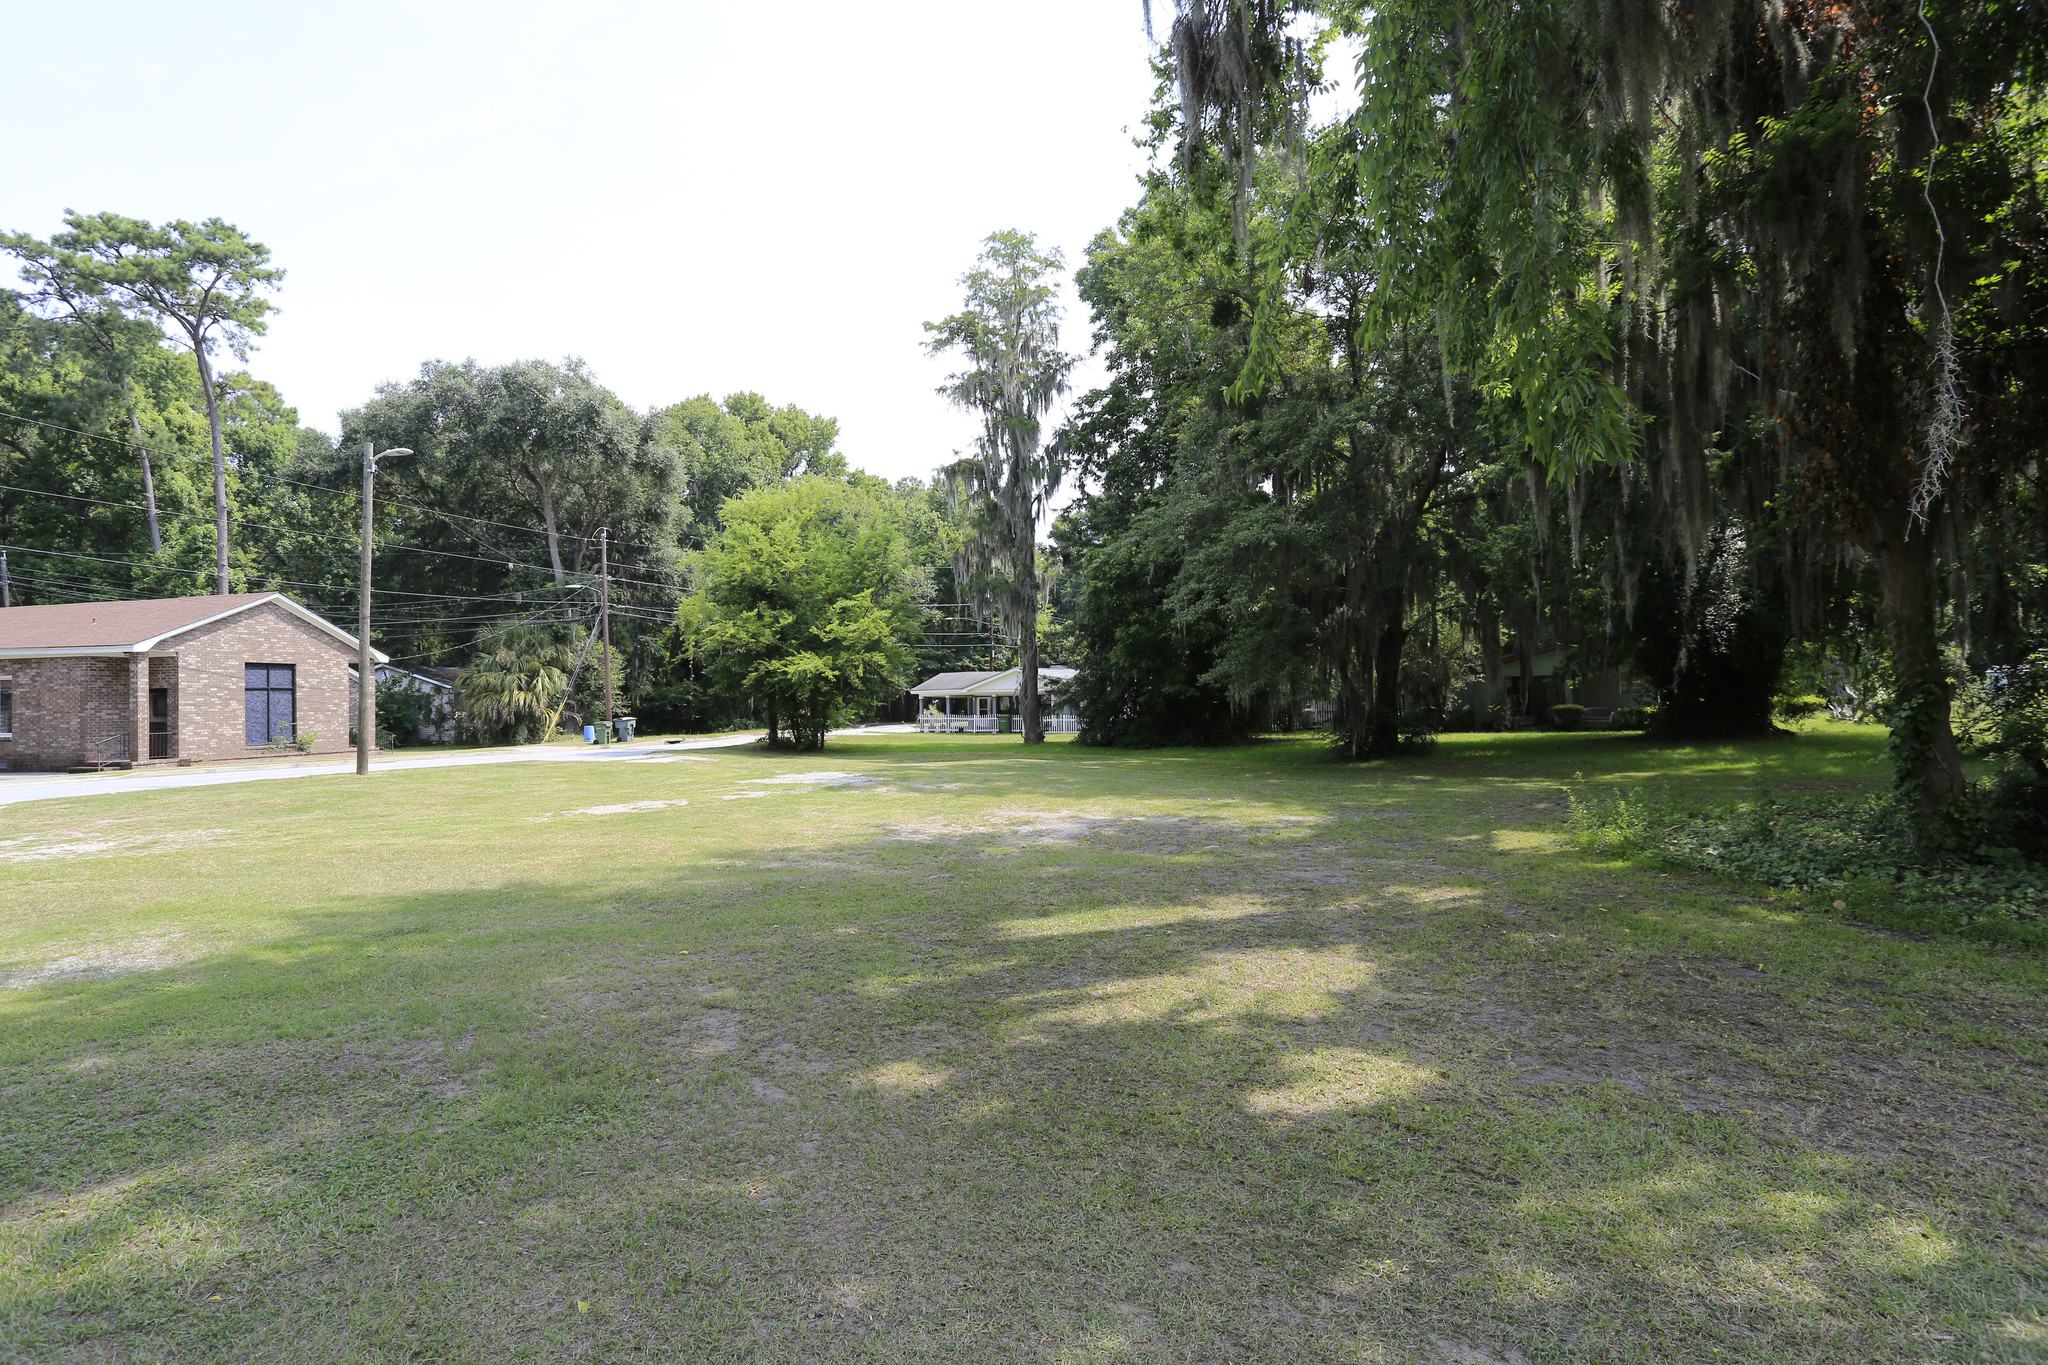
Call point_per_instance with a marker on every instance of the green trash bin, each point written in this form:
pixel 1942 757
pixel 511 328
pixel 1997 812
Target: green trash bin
pixel 623 725
pixel 1003 724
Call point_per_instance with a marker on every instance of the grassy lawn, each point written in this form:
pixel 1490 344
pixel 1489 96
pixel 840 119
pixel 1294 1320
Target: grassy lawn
pixel 1064 1056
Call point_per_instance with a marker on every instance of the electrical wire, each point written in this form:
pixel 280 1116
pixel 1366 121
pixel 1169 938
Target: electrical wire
pixel 336 492
pixel 387 546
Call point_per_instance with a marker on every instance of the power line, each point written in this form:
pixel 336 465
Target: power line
pixel 487 635
pixel 336 492
pixel 268 526
pixel 259 574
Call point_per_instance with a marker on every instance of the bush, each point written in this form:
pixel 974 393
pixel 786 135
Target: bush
pixel 405 711
pixel 1838 855
pixel 2005 713
pixel 1568 716
pixel 1626 824
pixel 1634 717
pixel 1801 707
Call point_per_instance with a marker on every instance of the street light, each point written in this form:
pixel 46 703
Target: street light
pixel 366 671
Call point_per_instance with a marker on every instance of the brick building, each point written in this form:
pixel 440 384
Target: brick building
pixel 179 678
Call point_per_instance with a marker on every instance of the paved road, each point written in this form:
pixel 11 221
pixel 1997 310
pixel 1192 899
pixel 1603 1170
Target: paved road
pixel 59 786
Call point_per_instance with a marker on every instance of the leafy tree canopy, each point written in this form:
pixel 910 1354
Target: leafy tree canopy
pixel 806 603
pixel 741 444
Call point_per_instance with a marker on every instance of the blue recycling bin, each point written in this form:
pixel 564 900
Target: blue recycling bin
pixel 590 734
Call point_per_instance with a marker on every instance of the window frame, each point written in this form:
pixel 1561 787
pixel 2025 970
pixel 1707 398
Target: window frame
pixel 7 706
pixel 269 691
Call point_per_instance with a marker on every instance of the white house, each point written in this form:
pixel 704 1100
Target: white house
pixel 1553 679
pixel 990 703
pixel 437 684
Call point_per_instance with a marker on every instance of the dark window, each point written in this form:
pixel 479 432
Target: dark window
pixel 6 706
pixel 271 704
pixel 159 722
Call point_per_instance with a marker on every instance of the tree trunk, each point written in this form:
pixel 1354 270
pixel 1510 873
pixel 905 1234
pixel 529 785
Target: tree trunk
pixel 1027 646
pixel 220 466
pixel 1486 619
pixel 1925 763
pixel 547 516
pixel 1525 651
pixel 1385 735
pixel 774 735
pixel 156 540
pixel 1347 703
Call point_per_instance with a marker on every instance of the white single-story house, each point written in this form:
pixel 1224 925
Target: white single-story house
pixel 437 684
pixel 990 703
pixel 1604 689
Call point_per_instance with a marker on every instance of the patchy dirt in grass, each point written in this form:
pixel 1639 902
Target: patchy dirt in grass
pixel 1062 1085
pixel 99 964
pixel 622 808
pixel 819 779
pixel 36 848
pixel 715 1033
pixel 1136 834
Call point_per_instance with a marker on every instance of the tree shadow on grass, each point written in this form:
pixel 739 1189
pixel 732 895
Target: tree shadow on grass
pixel 1057 1087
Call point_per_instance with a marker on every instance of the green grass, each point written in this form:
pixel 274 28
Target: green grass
pixel 1064 1056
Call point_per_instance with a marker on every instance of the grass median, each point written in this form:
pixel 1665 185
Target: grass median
pixel 937 1048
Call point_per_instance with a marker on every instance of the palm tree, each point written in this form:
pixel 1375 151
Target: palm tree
pixel 512 687
pixel 1009 335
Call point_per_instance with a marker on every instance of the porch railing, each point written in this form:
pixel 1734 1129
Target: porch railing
pixel 108 750
pixel 1064 723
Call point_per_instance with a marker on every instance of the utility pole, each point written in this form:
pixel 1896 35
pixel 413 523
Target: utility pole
pixel 6 593
pixel 366 670
pixel 604 616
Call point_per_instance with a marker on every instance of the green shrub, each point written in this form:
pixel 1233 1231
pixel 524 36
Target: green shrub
pixel 1568 716
pixel 1836 854
pixel 1634 717
pixel 2005 714
pixel 406 711
pixel 1801 707
pixel 1626 824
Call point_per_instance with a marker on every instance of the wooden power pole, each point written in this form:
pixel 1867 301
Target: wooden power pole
pixel 366 668
pixel 604 614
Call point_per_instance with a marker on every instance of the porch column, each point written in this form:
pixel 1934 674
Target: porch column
pixel 138 707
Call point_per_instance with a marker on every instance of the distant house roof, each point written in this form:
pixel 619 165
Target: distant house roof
pixel 999 683
pixel 134 627
pixel 432 677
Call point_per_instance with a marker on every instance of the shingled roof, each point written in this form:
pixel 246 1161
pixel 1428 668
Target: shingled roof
pixel 133 627
pixel 957 684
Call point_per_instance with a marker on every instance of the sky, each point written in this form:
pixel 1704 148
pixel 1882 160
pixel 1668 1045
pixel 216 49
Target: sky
pixel 691 197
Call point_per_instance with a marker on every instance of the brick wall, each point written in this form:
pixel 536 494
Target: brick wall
pixel 210 711
pixel 63 708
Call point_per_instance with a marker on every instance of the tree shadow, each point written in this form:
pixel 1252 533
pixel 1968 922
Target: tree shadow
pixel 1064 1084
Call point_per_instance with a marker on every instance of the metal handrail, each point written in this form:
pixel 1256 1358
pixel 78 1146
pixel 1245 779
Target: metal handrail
pixel 112 749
